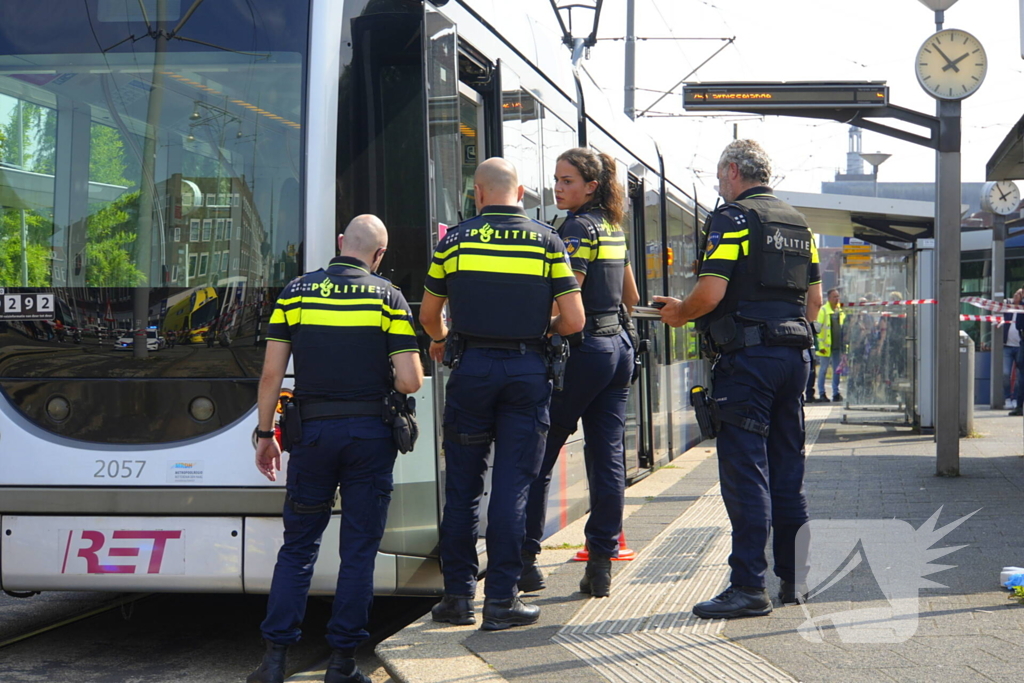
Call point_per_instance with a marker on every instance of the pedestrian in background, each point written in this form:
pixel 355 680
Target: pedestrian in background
pixel 350 334
pixel 599 369
pixel 759 285
pixel 829 343
pixel 500 274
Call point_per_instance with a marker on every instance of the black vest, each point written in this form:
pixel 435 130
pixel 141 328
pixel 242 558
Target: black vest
pixel 777 266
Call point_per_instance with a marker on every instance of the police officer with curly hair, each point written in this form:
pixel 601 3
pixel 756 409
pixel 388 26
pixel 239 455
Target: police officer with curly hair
pixel 500 273
pixel 599 369
pixel 759 285
pixel 350 334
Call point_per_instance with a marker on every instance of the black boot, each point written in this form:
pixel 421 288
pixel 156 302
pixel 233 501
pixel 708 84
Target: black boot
pixel 342 669
pixel 532 578
pixel 501 614
pixel 271 669
pixel 735 601
pixel 789 595
pixel 454 609
pixel 597 577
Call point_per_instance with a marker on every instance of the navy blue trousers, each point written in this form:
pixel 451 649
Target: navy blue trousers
pixel 762 479
pixel 597 390
pixel 359 454
pixel 505 393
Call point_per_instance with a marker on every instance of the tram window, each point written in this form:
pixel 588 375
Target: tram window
pixel 557 137
pixel 681 252
pixel 471 129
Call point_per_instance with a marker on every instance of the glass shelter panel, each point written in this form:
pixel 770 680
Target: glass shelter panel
pixel 877 347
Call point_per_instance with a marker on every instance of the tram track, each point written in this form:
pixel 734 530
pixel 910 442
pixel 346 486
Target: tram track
pixel 80 616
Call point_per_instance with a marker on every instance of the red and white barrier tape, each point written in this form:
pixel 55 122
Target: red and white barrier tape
pixel 907 302
pixel 990 305
pixel 997 319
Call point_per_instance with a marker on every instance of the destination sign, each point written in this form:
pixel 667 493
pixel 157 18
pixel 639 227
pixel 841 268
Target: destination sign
pixel 760 96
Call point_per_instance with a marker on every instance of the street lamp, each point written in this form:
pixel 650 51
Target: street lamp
pixel 876 160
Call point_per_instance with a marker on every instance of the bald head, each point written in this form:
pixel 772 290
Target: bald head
pixel 365 238
pixel 496 182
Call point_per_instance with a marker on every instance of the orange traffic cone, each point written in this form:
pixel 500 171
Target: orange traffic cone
pixel 625 553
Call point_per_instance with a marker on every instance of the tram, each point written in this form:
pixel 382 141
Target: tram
pixel 156 153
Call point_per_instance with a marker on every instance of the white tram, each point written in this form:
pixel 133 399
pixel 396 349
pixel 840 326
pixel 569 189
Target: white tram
pixel 170 165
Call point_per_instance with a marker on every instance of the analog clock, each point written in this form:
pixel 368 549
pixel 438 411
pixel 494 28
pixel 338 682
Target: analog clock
pixel 1000 197
pixel 951 65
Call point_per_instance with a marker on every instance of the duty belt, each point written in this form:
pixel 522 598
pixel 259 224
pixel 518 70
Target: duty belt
pixel 326 410
pixel 602 321
pixel 521 345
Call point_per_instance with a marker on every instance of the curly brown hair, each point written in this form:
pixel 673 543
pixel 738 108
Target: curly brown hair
pixel 600 167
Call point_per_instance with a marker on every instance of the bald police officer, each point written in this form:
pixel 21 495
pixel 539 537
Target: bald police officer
pixel 759 285
pixel 351 336
pixel 500 272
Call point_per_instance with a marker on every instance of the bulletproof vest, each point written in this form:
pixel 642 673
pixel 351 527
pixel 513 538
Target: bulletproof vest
pixel 777 267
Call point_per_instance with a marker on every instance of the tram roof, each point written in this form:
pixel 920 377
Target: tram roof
pixel 1007 162
pixel 870 218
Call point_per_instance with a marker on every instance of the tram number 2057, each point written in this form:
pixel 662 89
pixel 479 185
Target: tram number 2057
pixel 119 469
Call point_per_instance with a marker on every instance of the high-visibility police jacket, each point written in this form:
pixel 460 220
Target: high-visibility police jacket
pixel 344 324
pixel 824 337
pixel 500 272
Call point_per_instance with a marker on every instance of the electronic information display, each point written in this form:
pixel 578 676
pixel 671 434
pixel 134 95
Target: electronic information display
pixel 761 96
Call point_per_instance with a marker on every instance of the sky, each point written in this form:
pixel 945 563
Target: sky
pixel 793 40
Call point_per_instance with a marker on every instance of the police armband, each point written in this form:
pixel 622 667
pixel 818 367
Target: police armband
pixel 400 415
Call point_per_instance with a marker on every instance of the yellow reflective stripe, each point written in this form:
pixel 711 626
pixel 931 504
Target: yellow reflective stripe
pixel 283 341
pixel 339 302
pixel 436 271
pixel 439 296
pixel 736 235
pixel 293 316
pixel 491 246
pixel 714 275
pixel 277 316
pixel 568 291
pixel 814 252
pixel 395 353
pixel 341 318
pixel 395 311
pixel 501 264
pixel 399 327
pixel 724 252
pixel 615 252
pixel 583 253
pixel 442 255
pixel 287 302
pixel 560 270
pixel 557 255
pixel 745 246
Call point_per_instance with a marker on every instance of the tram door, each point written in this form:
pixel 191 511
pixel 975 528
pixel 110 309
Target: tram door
pixel 639 435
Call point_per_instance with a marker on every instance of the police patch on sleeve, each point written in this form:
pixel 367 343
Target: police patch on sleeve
pixel 714 239
pixel 572 245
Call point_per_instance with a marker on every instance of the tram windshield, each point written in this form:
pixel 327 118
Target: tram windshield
pixel 150 163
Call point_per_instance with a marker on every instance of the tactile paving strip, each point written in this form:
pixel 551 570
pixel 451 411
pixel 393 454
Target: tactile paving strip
pixel 645 630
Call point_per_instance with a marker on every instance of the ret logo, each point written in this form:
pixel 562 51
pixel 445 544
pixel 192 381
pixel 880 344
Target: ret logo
pixel 898 558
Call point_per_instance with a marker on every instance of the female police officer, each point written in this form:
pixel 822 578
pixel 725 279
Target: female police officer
pixel 600 365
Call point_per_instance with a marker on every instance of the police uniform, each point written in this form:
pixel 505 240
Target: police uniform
pixel 765 250
pixel 500 272
pixel 343 323
pixel 597 379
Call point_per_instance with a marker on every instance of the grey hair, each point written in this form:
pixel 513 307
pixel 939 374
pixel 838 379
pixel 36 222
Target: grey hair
pixel 750 158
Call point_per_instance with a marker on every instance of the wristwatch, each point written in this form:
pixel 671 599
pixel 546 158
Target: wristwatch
pixel 265 434
pixel 441 340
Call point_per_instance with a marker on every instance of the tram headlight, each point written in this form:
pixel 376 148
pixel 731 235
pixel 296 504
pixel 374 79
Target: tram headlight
pixel 58 408
pixel 201 409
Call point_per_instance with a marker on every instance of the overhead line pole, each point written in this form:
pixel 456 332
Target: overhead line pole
pixel 630 96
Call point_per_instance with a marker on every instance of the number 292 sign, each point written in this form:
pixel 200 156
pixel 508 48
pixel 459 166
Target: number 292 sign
pixel 27 307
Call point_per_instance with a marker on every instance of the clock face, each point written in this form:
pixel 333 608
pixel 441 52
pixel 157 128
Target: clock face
pixel 1001 197
pixel 951 65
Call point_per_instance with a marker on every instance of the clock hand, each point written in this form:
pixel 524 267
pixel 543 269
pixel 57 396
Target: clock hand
pixel 939 49
pixel 1001 195
pixel 953 65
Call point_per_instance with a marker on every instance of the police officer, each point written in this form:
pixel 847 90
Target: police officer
pixel 499 272
pixel 759 285
pixel 599 369
pixel 351 336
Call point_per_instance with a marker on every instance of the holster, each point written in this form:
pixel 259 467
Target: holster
pixel 557 353
pixel 634 338
pixel 291 424
pixel 400 414
pixel 710 416
pixel 453 350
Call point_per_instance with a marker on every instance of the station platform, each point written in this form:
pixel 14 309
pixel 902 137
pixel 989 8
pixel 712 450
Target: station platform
pixel 968 631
